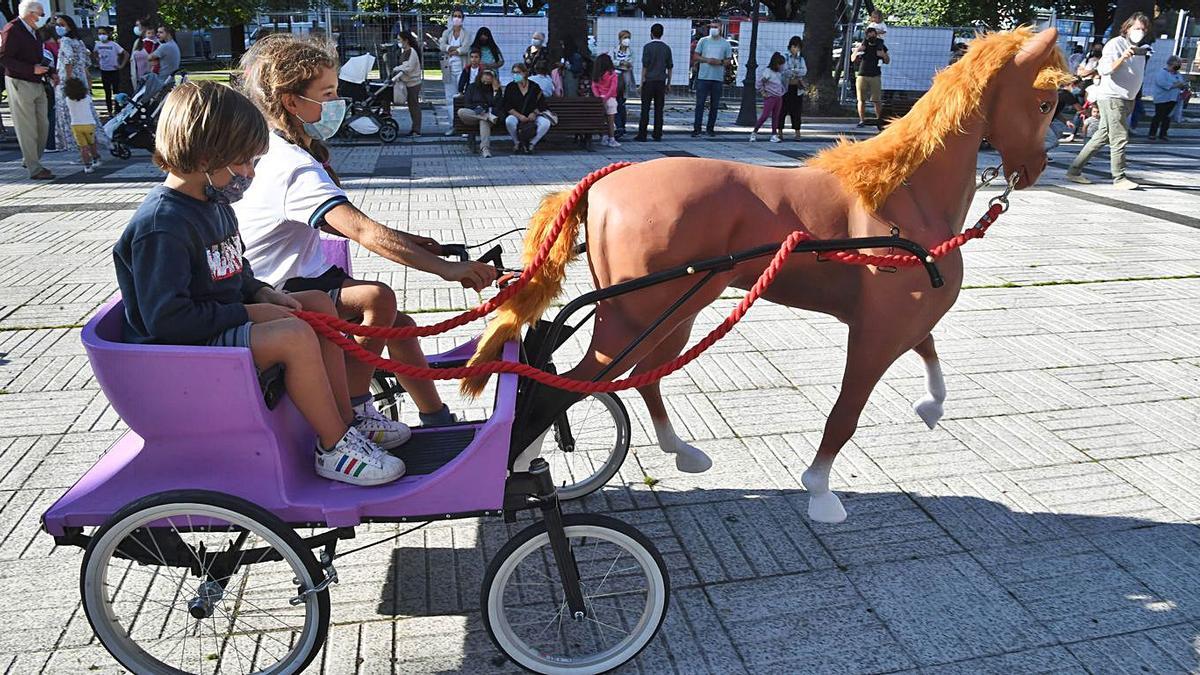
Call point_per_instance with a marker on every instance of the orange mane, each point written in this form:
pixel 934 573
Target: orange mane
pixel 872 169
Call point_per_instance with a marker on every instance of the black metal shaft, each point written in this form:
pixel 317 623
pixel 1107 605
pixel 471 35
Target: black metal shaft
pixel 748 114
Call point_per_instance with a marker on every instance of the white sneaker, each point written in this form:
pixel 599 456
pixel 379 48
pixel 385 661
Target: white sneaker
pixel 485 153
pixel 776 139
pixel 604 141
pixel 614 143
pixel 753 136
pixel 96 162
pixel 378 429
pixel 87 168
pixel 358 461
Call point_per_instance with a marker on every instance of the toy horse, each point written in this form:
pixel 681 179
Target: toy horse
pixel 918 175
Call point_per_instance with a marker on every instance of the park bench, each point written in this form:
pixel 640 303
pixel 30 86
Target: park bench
pixel 578 116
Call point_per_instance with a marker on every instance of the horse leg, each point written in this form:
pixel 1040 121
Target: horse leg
pixel 929 407
pixel 867 359
pixel 688 458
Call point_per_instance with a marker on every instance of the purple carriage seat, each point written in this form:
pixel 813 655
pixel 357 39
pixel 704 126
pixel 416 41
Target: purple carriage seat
pixel 198 420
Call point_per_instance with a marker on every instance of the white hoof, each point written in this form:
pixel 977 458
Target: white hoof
pixel 690 459
pixel 930 409
pixel 825 507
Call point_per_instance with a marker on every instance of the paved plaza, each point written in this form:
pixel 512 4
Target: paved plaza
pixel 1049 524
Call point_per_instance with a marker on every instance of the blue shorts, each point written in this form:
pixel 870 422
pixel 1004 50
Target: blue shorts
pixel 238 336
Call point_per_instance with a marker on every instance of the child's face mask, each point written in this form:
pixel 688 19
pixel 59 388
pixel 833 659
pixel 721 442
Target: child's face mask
pixel 231 191
pixel 332 114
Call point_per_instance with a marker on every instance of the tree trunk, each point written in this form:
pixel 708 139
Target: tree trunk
pixel 129 11
pixel 566 19
pixel 820 27
pixel 237 42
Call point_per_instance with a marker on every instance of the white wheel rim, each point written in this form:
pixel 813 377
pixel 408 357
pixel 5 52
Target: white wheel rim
pixel 596 425
pixel 228 640
pixel 608 613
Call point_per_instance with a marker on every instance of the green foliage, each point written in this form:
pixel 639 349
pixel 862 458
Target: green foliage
pixel 201 14
pixel 435 7
pixel 995 13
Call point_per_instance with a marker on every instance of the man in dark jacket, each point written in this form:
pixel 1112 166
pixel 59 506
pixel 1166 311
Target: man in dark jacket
pixel 481 104
pixel 21 56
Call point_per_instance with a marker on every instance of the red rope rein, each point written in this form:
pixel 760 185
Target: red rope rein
pixel 336 329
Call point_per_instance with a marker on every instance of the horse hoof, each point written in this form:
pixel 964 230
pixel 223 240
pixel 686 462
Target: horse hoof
pixel 930 410
pixel 825 507
pixel 692 460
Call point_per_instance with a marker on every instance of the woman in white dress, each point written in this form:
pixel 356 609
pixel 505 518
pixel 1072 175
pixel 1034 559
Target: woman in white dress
pixel 73 60
pixel 453 44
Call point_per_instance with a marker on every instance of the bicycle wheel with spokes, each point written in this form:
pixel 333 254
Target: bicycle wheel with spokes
pixel 625 589
pixel 191 581
pixel 591 441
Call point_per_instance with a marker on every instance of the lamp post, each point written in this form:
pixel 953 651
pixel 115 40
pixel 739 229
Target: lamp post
pixel 748 114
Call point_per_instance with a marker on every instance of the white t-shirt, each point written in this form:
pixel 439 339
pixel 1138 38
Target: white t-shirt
pixel 108 54
pixel 281 214
pixel 81 111
pixel 1121 81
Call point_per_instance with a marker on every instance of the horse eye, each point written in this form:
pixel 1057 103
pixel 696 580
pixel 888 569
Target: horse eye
pixel 1044 107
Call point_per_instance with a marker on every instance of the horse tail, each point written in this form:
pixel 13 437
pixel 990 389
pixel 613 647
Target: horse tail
pixel 528 306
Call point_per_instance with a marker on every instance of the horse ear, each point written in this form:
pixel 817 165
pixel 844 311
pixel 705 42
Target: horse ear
pixel 1037 49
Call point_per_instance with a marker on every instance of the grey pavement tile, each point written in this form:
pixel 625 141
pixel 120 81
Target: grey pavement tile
pixel 1105 433
pixel 792 453
pixel 1166 558
pixel 911 451
pixel 812 622
pixel 1173 480
pixel 1041 661
pixel 1089 499
pixel 975 616
pixel 1173 649
pixel 1013 442
pixel 1075 589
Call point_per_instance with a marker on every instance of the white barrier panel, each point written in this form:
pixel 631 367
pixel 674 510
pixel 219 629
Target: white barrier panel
pixel 1158 60
pixel 916 55
pixel 676 33
pixel 511 34
pixel 772 37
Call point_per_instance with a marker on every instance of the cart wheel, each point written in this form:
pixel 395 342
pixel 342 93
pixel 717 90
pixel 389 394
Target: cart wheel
pixel 121 151
pixel 590 443
pixel 386 392
pixel 389 130
pixel 625 589
pixel 191 581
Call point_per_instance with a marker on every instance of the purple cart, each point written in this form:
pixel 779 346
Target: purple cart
pixel 210 542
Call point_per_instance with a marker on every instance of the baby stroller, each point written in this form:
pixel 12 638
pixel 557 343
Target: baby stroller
pixel 369 109
pixel 133 127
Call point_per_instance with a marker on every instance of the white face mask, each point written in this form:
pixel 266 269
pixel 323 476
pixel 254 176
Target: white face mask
pixel 1136 35
pixel 456 21
pixel 536 42
pixel 624 42
pixel 712 32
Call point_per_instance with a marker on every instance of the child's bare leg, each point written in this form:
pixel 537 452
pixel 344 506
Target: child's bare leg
pixel 408 350
pixel 611 125
pixel 292 342
pixel 333 356
pixel 374 304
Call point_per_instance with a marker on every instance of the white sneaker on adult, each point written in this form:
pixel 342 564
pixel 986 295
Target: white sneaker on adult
pixel 1078 178
pixel 776 139
pixel 358 461
pixel 1126 184
pixel 753 136
pixel 485 153
pixel 381 431
pixel 614 143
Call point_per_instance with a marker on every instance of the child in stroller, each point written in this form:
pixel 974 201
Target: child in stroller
pixel 133 127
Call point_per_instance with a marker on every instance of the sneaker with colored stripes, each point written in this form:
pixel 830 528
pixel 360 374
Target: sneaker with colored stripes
pixel 381 431
pixel 358 461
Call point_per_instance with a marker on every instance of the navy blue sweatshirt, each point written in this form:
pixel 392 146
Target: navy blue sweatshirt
pixel 181 271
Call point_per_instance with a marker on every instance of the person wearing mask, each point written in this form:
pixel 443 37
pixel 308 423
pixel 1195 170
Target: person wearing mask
pixel 1075 58
pixel 471 74
pixel 713 54
pixel 1122 69
pixel 24 73
pixel 656 74
pixel 523 103
pixel 1088 67
pixel 166 55
pixel 73 60
pixel 1164 91
pixel 411 73
pixel 139 59
pixel 869 84
pixel 794 71
pixel 111 57
pixel 536 51
pixel 481 105
pixel 622 57
pixel 489 51
pixel 453 46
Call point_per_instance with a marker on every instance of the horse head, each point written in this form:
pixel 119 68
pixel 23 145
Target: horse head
pixel 1019 104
